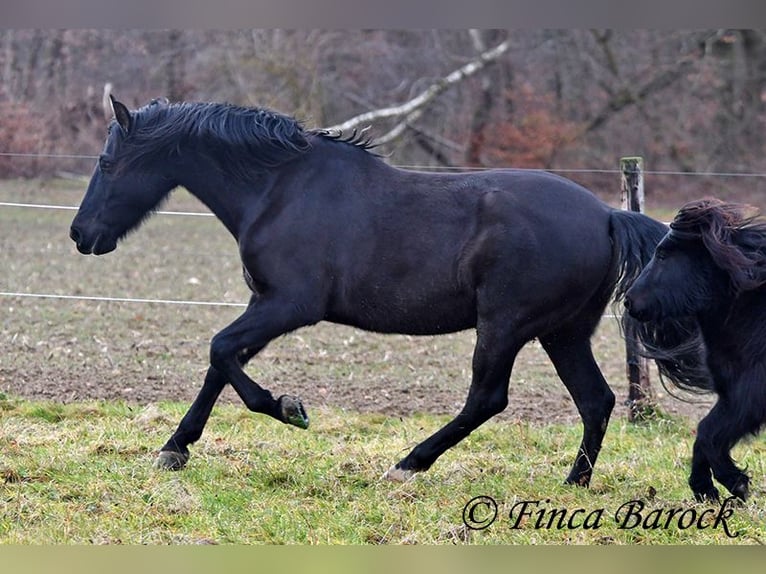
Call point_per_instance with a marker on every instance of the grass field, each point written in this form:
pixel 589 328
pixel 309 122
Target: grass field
pixel 90 390
pixel 81 473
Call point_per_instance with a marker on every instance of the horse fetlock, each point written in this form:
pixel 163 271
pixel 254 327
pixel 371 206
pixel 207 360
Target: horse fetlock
pixel 171 460
pixel 292 411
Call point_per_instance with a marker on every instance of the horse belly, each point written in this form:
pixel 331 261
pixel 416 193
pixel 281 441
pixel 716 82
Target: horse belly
pixel 408 311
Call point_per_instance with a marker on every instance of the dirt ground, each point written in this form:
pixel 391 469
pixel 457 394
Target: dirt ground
pixel 433 376
pixel 74 350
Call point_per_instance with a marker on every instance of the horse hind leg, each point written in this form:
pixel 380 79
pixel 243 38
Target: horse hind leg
pixel 573 360
pixel 494 355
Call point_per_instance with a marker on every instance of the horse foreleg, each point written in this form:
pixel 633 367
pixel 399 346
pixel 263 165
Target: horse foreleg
pixel 231 349
pixel 487 396
pixel 701 478
pixel 573 359
pixel 175 454
pixel 263 320
pixel 717 433
pixel 741 412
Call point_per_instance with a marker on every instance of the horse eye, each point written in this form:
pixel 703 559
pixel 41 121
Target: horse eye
pixel 105 164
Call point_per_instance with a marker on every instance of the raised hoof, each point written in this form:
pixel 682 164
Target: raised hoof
pixel 396 474
pixel 293 412
pixel 171 460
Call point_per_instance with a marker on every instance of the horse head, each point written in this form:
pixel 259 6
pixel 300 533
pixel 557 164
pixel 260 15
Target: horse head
pixel 125 187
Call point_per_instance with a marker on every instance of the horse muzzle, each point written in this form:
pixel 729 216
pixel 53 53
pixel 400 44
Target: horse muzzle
pixel 91 244
pixel 637 307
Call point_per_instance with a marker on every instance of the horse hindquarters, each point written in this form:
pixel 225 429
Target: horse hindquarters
pixel 529 284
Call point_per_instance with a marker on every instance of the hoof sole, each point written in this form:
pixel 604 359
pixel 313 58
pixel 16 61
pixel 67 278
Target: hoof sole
pixel 293 412
pixel 396 474
pixel 170 460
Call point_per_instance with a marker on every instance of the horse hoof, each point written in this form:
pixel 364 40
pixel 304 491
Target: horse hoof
pixel 742 489
pixel 293 412
pixel 396 474
pixel 171 460
pixel 583 480
pixel 709 495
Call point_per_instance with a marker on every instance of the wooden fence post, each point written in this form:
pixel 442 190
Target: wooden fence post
pixel 640 402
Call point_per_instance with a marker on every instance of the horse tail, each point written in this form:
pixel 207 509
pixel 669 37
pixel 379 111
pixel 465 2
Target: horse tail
pixel 675 345
pixel 634 237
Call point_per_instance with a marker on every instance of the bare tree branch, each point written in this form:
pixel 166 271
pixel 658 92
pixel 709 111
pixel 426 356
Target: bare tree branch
pixel 413 108
pixel 627 97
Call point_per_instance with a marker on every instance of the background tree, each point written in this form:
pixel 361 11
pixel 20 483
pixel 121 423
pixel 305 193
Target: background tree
pixel 685 100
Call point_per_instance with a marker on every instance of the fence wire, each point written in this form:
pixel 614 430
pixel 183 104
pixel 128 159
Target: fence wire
pixel 9 204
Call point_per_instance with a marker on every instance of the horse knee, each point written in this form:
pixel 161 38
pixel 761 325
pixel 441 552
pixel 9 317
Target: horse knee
pixel 492 404
pixel 220 352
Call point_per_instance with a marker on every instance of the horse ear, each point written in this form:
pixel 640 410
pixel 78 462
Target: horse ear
pixel 121 113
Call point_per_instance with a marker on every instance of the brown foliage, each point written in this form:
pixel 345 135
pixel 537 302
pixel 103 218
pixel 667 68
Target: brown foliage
pixel 21 132
pixel 533 137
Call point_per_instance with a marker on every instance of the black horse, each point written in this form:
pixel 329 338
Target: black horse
pixel 711 266
pixel 327 231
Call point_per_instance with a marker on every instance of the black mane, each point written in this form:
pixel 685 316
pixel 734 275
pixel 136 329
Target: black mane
pixel 357 138
pixel 734 235
pixel 242 139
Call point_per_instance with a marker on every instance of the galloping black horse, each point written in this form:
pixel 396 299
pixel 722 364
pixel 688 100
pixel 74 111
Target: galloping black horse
pixel 327 231
pixel 712 266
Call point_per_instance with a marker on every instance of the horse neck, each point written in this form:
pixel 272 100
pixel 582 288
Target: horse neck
pixel 737 320
pixel 223 194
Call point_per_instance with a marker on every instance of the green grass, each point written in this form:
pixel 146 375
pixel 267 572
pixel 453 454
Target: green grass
pixel 82 473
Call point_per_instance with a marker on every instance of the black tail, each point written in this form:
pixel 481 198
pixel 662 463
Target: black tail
pixel 675 345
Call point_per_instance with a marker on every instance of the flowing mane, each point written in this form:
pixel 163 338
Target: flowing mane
pixel 734 235
pixel 243 139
